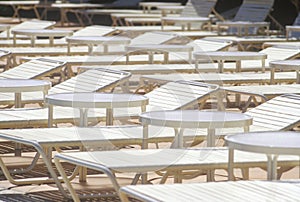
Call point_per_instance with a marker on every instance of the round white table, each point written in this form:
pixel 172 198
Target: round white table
pixel 270 143
pixel 222 56
pixel 243 26
pixel 33 33
pixel 85 101
pixel 181 119
pixel 184 21
pixel 293 65
pixel 151 49
pixel 18 86
pixel 90 41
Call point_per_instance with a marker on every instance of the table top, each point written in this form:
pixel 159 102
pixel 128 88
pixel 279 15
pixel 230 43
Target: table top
pixel 42 32
pixel 279 142
pixel 292 64
pixel 168 7
pixel 98 39
pixel 163 47
pixel 18 2
pixel 155 4
pixel 243 23
pixel 195 119
pixel 292 27
pixel 187 19
pixel 23 85
pixel 97 100
pixel 230 55
pixel 76 5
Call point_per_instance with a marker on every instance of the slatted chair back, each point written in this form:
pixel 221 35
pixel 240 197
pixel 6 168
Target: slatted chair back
pixel 295 34
pixel 281 52
pixel 92 81
pixel 210 44
pixel 254 10
pixel 34 69
pixel 179 95
pixel 204 7
pixel 95 30
pixel 189 10
pixel 279 113
pixel 196 8
pixel 153 38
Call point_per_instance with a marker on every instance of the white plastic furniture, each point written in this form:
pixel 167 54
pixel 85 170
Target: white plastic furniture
pixel 181 119
pixel 166 49
pixel 19 86
pixel 284 65
pixel 34 33
pixel 272 144
pixel 84 101
pixel 90 41
pixel 237 56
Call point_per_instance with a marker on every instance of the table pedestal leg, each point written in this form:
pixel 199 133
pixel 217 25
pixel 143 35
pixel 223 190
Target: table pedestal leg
pixel 211 139
pixel 144 176
pixel 272 79
pixel 105 48
pixel 220 66
pixel 179 138
pixel 18 100
pixel 90 49
pixel 272 167
pixel 145 137
pixel 230 164
pixel 166 58
pixel 238 66
pixel 83 120
pixel 263 65
pixel 32 41
pixel 50 116
pixel 109 117
pixel 151 58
